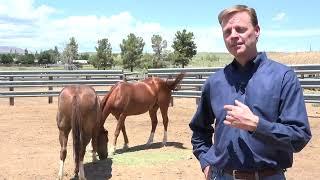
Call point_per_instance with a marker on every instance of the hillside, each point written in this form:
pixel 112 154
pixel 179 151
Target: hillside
pixel 10 49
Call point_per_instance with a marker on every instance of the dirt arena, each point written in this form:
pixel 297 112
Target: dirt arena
pixel 29 146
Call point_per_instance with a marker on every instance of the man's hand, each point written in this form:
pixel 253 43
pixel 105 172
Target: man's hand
pixel 240 116
pixel 207 173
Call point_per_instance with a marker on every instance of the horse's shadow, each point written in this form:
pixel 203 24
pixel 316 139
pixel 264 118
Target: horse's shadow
pixel 151 146
pixel 99 170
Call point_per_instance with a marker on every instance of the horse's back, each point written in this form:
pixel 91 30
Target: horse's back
pixel 86 100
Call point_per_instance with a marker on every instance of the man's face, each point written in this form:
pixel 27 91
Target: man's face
pixel 239 35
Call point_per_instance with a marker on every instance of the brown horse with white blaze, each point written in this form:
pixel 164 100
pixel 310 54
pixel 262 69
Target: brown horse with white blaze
pixel 79 109
pixel 125 99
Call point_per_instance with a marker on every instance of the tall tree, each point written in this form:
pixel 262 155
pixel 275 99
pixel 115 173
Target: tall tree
pixel 56 54
pixel 158 45
pixel 104 54
pixel 184 47
pixel 131 51
pixel 70 52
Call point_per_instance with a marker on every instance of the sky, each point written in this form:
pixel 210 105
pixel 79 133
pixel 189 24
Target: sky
pixel 286 26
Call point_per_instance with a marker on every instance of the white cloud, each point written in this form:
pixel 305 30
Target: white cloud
pixel 24 9
pixel 33 28
pixel 279 17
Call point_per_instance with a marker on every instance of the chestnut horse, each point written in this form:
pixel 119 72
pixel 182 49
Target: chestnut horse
pixel 125 99
pixel 79 110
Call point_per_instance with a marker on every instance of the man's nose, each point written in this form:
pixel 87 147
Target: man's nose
pixel 234 33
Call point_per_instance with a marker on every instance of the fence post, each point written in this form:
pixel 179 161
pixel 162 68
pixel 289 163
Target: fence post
pixel 50 88
pixel 171 98
pixel 198 88
pixel 11 99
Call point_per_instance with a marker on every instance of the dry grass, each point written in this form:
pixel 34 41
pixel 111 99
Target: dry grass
pixel 296 57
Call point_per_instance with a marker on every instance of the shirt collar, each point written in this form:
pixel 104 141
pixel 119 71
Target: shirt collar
pixel 252 64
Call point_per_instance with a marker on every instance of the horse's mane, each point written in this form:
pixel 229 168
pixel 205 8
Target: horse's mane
pixel 105 98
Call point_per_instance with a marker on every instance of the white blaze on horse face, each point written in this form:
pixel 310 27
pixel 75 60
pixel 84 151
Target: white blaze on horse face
pixel 60 174
pixel 164 142
pixel 81 171
pixel 150 140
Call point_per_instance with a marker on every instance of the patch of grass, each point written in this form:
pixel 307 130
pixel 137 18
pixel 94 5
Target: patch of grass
pixel 149 158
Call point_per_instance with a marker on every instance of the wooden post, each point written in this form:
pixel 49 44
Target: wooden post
pixel 11 99
pixel 50 88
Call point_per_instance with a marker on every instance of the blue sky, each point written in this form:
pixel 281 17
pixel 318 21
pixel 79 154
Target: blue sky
pixel 42 24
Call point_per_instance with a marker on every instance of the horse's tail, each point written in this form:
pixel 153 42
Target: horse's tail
pixel 173 84
pixel 76 121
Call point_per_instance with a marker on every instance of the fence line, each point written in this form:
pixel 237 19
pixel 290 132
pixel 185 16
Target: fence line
pixel 190 86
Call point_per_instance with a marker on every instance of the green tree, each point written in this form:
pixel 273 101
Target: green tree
pixel 70 52
pixel 104 54
pixel 6 59
pixel 27 58
pixel 146 61
pixel 184 47
pixel 56 54
pixel 46 57
pixel 158 45
pixel 84 56
pixel 131 51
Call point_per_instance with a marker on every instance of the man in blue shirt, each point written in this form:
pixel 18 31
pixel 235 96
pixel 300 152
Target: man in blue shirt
pixel 254 107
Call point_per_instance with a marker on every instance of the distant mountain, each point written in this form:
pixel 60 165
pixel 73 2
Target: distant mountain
pixel 8 49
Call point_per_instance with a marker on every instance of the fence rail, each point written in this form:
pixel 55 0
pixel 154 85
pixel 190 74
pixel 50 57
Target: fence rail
pixel 190 86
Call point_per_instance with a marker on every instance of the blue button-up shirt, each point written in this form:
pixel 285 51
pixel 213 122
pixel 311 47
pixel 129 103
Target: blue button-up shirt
pixel 272 91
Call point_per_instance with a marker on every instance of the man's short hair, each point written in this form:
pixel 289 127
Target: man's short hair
pixel 239 8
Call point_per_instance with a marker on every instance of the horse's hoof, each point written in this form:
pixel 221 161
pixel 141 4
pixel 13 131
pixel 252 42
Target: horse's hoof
pixel 126 146
pixel 111 153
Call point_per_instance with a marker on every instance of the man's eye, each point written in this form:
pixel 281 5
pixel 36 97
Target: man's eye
pixel 227 32
pixel 241 30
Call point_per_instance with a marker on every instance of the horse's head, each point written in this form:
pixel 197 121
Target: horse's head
pixel 103 144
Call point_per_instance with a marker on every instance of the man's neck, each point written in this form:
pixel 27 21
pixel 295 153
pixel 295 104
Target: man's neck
pixel 243 60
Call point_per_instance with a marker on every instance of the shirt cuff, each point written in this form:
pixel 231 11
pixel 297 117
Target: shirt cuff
pixel 263 127
pixel 203 164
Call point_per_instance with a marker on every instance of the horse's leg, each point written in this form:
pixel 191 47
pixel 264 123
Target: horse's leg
pixel 94 144
pixel 154 122
pixel 164 113
pixel 121 118
pixel 63 139
pixel 125 137
pixel 95 135
pixel 85 139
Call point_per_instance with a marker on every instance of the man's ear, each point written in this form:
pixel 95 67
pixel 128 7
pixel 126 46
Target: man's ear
pixel 257 31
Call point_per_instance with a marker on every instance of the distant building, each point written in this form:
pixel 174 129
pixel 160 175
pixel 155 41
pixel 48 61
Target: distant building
pixel 81 61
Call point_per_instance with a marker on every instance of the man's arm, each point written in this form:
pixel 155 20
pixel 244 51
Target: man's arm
pixel 201 126
pixel 291 131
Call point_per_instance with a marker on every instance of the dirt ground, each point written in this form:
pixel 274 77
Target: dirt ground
pixel 29 147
